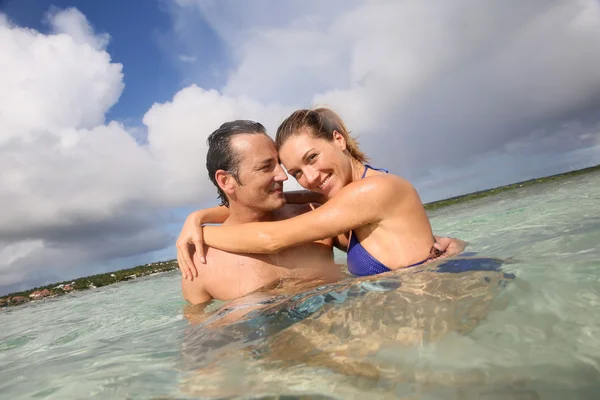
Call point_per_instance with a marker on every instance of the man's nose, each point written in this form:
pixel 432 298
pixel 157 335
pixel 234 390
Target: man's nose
pixel 280 174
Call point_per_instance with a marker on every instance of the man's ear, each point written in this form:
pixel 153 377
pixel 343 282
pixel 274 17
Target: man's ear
pixel 226 181
pixel 339 140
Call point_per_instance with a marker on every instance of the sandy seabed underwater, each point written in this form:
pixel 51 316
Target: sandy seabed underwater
pixel 528 331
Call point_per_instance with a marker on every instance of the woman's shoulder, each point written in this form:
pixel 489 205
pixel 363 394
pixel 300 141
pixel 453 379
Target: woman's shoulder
pixel 382 184
pixel 380 191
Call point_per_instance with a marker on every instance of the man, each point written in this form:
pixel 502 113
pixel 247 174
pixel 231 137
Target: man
pixel 243 164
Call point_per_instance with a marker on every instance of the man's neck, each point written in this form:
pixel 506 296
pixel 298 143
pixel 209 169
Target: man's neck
pixel 241 215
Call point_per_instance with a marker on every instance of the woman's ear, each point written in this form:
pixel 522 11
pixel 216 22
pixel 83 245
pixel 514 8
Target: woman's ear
pixel 226 181
pixel 339 140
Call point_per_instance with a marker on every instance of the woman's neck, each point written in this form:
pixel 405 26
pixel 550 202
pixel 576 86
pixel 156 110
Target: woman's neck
pixel 358 169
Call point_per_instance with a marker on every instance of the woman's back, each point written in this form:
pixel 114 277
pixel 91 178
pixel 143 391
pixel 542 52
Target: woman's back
pixel 402 236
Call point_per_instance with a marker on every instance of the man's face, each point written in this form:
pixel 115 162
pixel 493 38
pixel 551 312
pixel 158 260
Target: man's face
pixel 259 172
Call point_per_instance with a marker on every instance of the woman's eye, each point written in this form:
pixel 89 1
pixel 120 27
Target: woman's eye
pixel 297 175
pixel 312 157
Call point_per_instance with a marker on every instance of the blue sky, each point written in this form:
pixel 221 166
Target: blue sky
pixel 107 106
pixel 135 36
pixel 141 40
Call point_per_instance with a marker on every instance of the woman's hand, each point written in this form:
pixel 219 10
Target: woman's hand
pixel 191 238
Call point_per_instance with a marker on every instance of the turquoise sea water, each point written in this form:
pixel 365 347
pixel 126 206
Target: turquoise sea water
pixel 418 334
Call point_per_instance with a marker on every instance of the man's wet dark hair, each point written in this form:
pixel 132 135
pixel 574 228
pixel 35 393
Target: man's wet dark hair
pixel 220 154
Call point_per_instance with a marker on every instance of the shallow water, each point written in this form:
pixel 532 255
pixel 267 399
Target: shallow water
pixel 418 334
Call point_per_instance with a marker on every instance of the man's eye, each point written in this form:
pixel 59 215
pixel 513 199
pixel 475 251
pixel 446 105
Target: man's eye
pixel 297 174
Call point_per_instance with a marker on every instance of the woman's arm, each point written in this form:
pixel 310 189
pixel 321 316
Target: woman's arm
pixel 191 236
pixel 358 204
pixel 213 215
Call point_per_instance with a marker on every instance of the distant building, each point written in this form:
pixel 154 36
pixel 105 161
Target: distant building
pixel 40 294
pixel 36 295
pixel 18 300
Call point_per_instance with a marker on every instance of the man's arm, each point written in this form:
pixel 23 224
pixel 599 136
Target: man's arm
pixel 341 241
pixel 194 291
pixel 303 197
pixel 195 313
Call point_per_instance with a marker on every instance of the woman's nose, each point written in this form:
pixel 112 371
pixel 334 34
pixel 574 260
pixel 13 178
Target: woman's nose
pixel 311 176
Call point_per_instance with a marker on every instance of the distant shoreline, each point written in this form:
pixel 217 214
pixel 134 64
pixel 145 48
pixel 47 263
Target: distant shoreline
pixel 94 281
pixel 86 283
pixel 435 205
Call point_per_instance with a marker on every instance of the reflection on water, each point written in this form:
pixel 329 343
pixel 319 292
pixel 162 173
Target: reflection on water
pixel 348 330
pixel 529 331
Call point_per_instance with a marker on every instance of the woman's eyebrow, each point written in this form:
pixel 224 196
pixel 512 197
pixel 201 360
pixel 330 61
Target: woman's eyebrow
pixel 306 154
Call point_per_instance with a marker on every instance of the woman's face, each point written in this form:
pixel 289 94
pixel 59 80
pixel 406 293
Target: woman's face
pixel 317 164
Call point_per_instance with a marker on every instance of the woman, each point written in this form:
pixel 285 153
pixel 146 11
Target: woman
pixel 379 214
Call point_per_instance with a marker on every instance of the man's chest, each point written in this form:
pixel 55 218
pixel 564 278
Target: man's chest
pixel 234 275
pixel 237 275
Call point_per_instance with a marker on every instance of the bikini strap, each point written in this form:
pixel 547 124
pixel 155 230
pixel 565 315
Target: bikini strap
pixel 367 166
pixel 365 172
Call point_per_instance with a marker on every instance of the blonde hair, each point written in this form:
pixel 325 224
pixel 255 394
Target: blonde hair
pixel 321 122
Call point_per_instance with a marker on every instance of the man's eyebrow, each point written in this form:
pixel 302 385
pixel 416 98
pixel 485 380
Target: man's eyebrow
pixel 265 162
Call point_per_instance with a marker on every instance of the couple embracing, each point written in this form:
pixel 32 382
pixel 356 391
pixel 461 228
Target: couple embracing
pixel 267 235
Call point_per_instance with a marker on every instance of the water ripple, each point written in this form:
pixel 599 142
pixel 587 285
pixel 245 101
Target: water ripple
pixel 531 330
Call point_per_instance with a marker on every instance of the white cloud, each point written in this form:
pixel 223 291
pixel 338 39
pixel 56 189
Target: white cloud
pixel 461 94
pixel 187 59
pixel 57 156
pixel 438 83
pixel 177 133
pixel 74 24
pixel 78 190
pixel 49 82
pixel 65 175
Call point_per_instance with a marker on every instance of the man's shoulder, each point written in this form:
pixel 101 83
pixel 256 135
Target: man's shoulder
pixel 217 260
pixel 292 210
pixel 209 275
pixel 216 257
